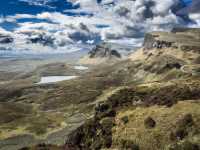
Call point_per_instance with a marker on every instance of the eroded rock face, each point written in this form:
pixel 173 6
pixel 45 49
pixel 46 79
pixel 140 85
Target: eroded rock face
pixel 148 41
pixel 5 39
pixel 184 39
pixel 102 51
pixel 151 42
pixel 102 54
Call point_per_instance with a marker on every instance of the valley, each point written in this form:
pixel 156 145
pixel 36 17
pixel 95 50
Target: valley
pixel 147 101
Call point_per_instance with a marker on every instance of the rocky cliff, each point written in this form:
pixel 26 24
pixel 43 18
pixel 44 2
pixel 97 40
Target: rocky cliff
pixel 182 38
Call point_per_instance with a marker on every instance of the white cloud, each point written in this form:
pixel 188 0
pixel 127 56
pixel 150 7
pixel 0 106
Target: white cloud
pixel 163 7
pixel 5 32
pixel 196 18
pixel 123 19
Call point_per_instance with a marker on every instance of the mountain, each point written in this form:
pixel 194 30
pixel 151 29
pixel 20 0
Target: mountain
pixel 144 98
pixel 103 51
pixel 159 109
pixel 149 101
pixel 101 54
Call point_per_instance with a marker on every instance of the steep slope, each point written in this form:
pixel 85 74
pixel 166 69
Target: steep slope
pixel 159 106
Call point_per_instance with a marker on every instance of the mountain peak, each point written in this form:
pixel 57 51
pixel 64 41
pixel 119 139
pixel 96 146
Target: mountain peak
pixel 101 54
pixel 103 51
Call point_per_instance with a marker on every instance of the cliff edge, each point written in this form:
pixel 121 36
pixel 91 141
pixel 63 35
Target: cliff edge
pixel 180 38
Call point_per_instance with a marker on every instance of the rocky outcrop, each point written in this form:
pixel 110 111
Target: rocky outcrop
pixel 5 39
pixel 101 54
pixel 102 51
pixel 151 42
pixel 178 38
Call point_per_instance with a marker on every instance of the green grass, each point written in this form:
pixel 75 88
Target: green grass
pixel 167 120
pixel 41 110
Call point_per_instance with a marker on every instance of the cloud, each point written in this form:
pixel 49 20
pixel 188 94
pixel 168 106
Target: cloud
pixel 163 7
pixel 4 32
pixel 108 20
pixel 194 13
pixel 42 3
pixel 134 18
pixel 196 18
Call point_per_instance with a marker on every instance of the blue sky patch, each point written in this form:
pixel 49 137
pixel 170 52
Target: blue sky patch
pixel 78 14
pixel 102 26
pixel 12 7
pixel 81 22
pixel 187 2
pixel 9 26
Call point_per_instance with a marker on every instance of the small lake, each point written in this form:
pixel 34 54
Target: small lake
pixel 81 67
pixel 54 79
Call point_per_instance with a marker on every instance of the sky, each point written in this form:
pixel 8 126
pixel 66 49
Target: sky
pixel 42 26
pixel 187 1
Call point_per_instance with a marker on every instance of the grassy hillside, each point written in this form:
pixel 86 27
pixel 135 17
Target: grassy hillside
pixel 157 108
pixel 149 101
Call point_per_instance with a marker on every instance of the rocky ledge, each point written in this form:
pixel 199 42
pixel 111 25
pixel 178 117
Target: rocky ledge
pixel 179 38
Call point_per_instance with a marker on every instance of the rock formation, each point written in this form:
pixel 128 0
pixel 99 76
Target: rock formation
pixel 101 51
pixel 185 39
pixel 101 54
